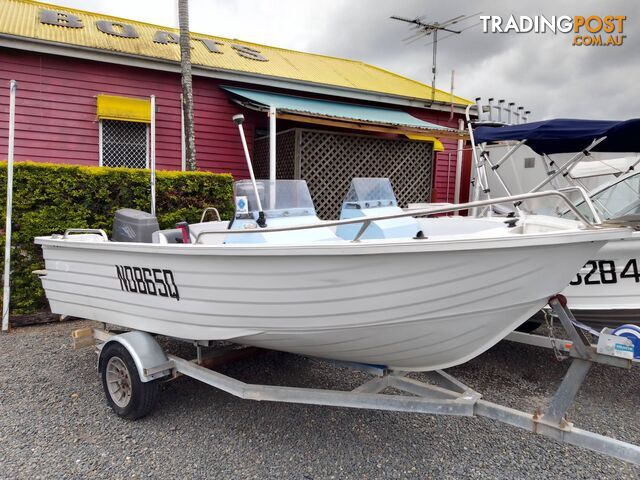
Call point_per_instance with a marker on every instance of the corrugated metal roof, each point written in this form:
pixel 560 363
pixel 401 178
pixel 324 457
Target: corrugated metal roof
pixel 21 18
pixel 338 110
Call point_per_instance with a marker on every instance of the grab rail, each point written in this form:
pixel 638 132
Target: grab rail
pixel 98 231
pixel 367 221
pixel 587 200
pixel 207 210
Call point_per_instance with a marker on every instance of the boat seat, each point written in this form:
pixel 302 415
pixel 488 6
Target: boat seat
pixel 196 228
pixel 172 235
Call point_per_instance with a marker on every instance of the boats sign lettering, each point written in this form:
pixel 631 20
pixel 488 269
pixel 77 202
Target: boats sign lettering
pixel 148 281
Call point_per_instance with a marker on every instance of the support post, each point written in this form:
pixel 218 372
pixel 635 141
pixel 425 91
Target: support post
pixel 6 292
pixel 567 391
pixel 456 192
pixel 152 152
pixel 272 157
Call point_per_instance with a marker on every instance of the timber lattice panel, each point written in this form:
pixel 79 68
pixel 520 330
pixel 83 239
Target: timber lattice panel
pixel 329 160
pixel 285 152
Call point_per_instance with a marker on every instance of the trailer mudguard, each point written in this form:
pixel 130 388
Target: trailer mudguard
pixel 150 360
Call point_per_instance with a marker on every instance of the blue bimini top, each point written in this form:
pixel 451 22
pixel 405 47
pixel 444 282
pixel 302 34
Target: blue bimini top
pixel 564 135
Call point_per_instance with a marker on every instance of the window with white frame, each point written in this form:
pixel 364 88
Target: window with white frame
pixel 124 144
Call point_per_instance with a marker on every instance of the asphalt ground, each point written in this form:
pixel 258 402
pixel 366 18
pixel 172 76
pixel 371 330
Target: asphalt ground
pixel 55 423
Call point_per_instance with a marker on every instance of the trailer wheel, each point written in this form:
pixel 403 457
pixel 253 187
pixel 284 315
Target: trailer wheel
pixel 127 395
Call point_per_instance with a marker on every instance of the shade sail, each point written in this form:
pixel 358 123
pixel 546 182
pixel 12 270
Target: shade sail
pixel 564 135
pixel 349 112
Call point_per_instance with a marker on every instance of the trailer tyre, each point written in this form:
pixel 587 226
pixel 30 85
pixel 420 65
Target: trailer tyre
pixel 126 394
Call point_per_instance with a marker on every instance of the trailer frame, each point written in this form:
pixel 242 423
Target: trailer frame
pixel 443 395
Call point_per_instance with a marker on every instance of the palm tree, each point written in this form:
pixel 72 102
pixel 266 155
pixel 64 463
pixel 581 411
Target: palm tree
pixel 187 84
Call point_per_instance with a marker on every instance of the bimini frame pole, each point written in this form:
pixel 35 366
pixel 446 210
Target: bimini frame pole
pixel 476 163
pixel 6 292
pixel 572 161
pixel 480 164
pixel 272 157
pixel 152 154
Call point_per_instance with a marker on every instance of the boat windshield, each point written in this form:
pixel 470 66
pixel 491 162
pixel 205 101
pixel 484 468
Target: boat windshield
pixel 278 198
pixel 370 193
pixel 620 199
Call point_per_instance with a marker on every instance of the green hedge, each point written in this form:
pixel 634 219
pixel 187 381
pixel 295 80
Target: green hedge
pixel 49 198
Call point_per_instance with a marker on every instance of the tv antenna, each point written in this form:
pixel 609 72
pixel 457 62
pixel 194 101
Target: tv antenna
pixel 423 29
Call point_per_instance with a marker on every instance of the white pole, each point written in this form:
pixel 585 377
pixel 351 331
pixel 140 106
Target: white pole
pixel 456 192
pixel 153 154
pixel 6 293
pixel 272 157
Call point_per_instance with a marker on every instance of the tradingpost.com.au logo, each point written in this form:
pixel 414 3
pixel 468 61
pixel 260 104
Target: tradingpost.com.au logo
pixel 587 31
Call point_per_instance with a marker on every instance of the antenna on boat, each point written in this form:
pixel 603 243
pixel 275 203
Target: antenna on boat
pixel 238 120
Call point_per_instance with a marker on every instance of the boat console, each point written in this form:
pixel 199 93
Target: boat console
pixel 286 203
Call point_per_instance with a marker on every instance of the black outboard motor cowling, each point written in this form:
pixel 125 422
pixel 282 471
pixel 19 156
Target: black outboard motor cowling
pixel 131 225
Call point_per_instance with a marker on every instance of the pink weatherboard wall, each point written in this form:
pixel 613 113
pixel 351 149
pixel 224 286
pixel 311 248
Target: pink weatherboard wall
pixel 444 175
pixel 56 115
pixel 56 112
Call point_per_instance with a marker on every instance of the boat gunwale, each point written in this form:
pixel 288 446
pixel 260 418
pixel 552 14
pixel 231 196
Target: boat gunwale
pixel 363 247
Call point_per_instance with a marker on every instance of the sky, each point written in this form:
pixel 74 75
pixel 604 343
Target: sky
pixel 542 72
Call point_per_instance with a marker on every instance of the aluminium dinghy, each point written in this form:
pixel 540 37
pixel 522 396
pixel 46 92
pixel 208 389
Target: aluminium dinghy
pixel 429 298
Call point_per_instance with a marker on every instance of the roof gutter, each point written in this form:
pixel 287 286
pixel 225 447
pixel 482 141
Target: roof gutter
pixel 119 58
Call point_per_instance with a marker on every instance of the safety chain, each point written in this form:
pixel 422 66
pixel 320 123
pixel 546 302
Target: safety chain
pixel 548 320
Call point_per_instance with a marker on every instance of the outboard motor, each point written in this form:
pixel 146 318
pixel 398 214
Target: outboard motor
pixel 374 197
pixel 131 225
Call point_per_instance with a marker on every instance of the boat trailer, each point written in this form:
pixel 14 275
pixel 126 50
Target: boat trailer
pixel 131 365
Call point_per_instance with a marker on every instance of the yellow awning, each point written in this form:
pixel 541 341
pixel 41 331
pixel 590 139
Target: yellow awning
pixel 126 109
pixel 437 144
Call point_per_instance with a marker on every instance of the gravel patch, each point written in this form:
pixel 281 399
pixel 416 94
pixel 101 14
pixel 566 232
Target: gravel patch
pixel 55 423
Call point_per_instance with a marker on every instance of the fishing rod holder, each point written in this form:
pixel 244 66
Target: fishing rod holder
pixel 497 114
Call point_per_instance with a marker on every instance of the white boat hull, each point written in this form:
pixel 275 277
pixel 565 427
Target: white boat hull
pixel 409 305
pixel 606 290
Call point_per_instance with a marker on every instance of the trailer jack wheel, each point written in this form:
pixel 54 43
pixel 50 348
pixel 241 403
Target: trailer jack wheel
pixel 127 395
